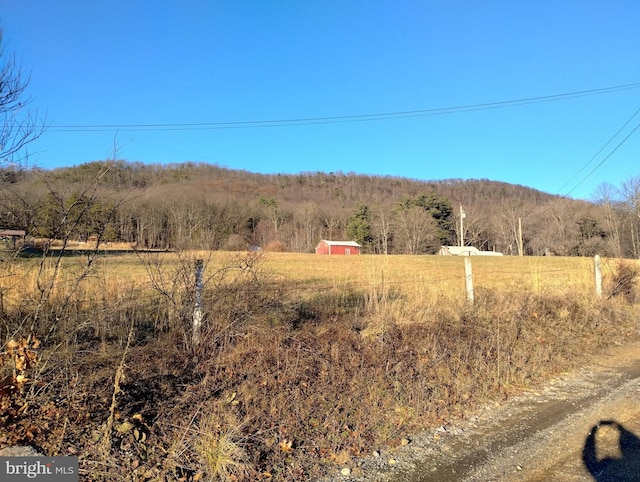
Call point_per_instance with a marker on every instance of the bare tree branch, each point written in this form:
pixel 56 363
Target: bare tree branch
pixel 18 125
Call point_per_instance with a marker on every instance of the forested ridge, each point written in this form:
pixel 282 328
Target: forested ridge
pixel 204 206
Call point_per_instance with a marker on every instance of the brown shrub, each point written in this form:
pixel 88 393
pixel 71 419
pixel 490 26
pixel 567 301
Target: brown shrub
pixel 275 247
pixel 624 281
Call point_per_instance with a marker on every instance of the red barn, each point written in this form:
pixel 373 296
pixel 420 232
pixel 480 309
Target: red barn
pixel 337 247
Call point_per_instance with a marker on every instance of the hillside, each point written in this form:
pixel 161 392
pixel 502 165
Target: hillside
pixel 207 206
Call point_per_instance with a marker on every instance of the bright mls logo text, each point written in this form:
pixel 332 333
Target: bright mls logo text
pixel 53 469
pixel 30 470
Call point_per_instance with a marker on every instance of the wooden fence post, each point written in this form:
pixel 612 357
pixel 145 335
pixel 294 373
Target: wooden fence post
pixel 468 277
pixel 197 311
pixel 598 272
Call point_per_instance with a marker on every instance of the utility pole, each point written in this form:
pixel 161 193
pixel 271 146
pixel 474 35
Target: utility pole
pixel 462 216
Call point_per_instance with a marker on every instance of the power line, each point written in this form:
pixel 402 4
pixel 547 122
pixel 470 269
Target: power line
pixel 608 155
pixel 337 119
pixel 597 154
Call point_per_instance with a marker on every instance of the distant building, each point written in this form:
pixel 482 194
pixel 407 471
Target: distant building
pixel 17 233
pixel 465 251
pixel 12 235
pixel 337 247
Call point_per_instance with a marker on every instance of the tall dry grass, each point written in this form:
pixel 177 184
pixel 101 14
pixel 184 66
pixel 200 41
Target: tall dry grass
pixel 306 361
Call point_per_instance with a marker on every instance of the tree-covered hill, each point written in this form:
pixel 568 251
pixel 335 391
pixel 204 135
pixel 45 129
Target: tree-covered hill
pixel 195 205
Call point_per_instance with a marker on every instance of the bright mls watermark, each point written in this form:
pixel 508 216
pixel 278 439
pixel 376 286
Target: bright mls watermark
pixel 52 469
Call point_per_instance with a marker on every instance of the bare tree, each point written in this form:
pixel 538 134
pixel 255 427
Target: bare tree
pixel 333 225
pixel 476 226
pixel 417 230
pixel 555 228
pixel 382 227
pixel 18 125
pixel 275 214
pixel 508 224
pixel 607 196
pixel 631 199
pixel 308 226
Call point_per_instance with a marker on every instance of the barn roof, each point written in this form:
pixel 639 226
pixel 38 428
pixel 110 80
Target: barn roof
pixel 12 232
pixel 461 250
pixel 466 251
pixel 340 243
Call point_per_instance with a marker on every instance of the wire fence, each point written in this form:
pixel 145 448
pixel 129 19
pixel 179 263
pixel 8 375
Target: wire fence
pixel 438 275
pixel 416 277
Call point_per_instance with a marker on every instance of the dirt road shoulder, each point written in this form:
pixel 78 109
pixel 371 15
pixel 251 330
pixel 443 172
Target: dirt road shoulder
pixel 583 426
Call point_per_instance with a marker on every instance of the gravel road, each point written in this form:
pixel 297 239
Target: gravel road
pixel 583 426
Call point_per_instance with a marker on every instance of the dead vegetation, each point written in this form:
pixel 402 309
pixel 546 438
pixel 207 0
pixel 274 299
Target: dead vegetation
pixel 297 370
pixel 623 281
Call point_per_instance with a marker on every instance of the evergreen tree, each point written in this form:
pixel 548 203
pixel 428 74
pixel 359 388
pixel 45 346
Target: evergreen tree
pixel 359 226
pixel 438 207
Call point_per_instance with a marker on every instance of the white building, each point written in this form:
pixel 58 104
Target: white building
pixel 465 251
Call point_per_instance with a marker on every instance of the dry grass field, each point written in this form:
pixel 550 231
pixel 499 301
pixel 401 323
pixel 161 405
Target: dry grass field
pixel 303 362
pixel 421 276
pixel 438 274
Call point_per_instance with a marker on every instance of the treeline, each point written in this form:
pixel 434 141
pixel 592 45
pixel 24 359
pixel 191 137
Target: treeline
pixel 202 206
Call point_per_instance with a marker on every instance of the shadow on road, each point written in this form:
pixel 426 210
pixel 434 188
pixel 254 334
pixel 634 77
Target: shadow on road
pixel 612 453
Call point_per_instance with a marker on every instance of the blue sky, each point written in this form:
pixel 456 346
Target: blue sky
pixel 174 81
